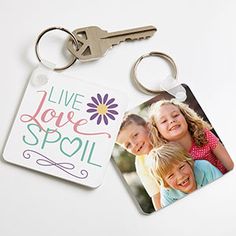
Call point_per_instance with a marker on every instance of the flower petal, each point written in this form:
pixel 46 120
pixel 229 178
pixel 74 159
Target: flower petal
pixel 110 101
pixel 95 100
pixel 99 98
pixel 99 119
pixel 105 98
pixel 113 112
pixel 110 116
pixel 92 110
pixel 112 106
pixel 93 116
pixel 105 119
pixel 91 105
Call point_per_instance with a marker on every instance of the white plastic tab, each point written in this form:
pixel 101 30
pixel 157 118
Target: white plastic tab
pixel 173 87
pixel 41 74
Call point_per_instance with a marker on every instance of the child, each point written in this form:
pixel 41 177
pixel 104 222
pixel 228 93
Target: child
pixel 175 121
pixel 134 137
pixel 178 173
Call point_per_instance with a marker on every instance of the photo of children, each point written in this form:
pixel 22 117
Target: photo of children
pixel 145 134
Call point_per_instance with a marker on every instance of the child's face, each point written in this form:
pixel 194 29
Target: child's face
pixel 171 122
pixel 134 138
pixel 181 177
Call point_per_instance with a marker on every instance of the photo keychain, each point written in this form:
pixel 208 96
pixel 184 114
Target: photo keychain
pixel 166 147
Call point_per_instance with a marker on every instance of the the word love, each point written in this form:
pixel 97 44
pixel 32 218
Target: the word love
pixel 46 117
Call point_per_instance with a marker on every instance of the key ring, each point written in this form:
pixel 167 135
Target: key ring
pixel 134 77
pixel 73 59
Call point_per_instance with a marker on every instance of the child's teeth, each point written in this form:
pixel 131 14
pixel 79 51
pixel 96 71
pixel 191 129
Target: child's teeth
pixel 184 182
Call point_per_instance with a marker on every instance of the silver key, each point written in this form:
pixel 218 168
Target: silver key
pixel 94 42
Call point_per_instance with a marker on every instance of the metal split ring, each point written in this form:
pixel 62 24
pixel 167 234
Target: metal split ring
pixel 134 77
pixel 73 58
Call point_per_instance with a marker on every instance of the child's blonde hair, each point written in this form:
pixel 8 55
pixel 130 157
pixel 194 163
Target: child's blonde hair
pixel 196 125
pixel 162 159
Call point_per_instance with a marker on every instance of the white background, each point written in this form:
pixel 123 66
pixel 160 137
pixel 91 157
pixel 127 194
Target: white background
pixel 200 35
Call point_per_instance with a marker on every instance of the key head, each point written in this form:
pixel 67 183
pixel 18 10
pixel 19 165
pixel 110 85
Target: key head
pixel 89 40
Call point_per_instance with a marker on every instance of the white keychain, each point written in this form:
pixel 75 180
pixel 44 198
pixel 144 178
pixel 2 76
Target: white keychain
pixel 65 127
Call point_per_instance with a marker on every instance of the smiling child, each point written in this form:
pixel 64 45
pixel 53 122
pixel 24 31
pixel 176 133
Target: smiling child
pixel 134 137
pixel 175 121
pixel 178 174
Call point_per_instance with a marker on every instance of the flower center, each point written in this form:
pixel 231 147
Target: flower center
pixel 102 109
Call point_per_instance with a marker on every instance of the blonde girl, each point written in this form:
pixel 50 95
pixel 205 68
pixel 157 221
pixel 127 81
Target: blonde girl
pixel 171 120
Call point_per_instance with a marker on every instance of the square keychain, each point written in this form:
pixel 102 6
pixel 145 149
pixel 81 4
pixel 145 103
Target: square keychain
pixel 65 127
pixel 166 147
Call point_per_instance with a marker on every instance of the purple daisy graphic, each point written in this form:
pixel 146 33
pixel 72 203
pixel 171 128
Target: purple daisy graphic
pixel 102 108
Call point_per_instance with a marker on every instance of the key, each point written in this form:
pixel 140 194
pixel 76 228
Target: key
pixel 94 42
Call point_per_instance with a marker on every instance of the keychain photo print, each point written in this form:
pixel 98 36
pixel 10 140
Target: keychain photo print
pixel 166 147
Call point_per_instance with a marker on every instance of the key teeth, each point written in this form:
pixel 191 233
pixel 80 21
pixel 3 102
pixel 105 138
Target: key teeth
pixel 131 39
pixel 140 38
